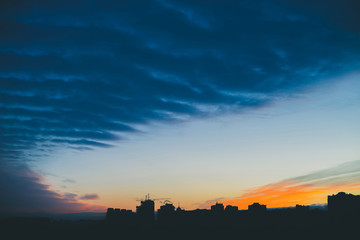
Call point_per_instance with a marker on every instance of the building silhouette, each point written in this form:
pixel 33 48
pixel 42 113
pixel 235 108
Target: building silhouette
pixel 257 208
pixel 166 212
pixel 302 208
pixel 231 210
pixel 146 210
pixel 179 209
pixel 344 203
pixel 120 215
pixel 218 208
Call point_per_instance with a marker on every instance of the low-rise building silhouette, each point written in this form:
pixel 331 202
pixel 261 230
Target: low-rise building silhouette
pixel 257 208
pixel 231 209
pixel 218 208
pixel 166 212
pixel 117 215
pixel 302 208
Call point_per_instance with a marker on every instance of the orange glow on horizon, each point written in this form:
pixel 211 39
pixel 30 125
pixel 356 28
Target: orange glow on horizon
pixel 287 194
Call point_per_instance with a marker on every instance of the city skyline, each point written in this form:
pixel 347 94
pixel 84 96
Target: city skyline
pixel 102 102
pixel 340 218
pixel 336 202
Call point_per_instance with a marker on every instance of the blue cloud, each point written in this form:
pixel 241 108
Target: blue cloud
pixel 85 74
pixel 23 192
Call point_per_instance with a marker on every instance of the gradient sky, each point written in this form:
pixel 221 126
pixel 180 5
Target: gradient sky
pixel 102 102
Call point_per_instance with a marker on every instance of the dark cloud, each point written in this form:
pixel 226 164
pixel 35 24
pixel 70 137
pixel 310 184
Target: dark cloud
pixel 23 191
pixel 93 196
pixel 85 74
pixel 70 196
pixel 343 14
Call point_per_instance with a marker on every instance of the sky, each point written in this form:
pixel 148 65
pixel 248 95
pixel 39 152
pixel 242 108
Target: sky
pixel 238 102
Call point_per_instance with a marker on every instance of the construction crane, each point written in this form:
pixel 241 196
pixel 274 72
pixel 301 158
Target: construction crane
pixel 166 201
pixel 161 200
pixel 147 197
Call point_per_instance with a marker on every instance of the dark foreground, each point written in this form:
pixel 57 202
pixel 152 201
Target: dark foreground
pixel 281 227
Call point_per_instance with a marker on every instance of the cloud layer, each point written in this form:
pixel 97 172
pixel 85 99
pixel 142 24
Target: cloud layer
pixel 23 191
pixel 309 189
pixel 92 196
pixel 84 74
